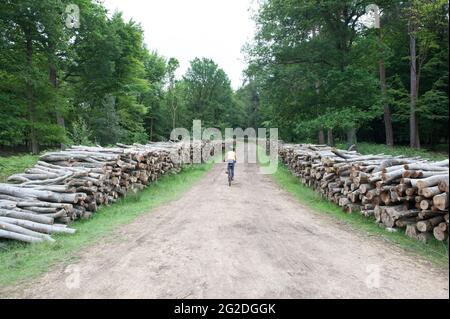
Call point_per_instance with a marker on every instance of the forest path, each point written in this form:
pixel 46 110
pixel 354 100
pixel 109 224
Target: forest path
pixel 251 240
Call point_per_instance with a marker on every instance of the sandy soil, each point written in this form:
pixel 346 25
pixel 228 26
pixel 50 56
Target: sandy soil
pixel 252 240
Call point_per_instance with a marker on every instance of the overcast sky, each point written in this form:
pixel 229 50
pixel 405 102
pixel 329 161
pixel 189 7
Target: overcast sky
pixel 186 29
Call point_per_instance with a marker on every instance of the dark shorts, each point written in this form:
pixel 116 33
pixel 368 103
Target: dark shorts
pixel 231 167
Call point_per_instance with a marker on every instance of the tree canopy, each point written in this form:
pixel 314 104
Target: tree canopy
pixel 93 80
pixel 316 66
pixel 72 73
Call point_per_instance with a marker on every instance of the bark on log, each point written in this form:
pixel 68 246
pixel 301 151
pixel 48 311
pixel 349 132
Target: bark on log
pixel 20 230
pixel 441 201
pixel 428 225
pixel 41 228
pixel 19 237
pixel 431 181
pixel 41 195
pixel 426 214
pixel 412 231
pixel 443 186
pixel 26 216
pixel 424 237
pixel 443 226
pixel 426 204
pixel 439 234
pixel 430 192
pixel 425 167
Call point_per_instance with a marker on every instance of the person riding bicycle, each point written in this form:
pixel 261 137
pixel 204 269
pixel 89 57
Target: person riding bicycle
pixel 230 157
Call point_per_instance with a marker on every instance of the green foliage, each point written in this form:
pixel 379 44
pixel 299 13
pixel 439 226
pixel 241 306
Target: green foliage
pixel 104 83
pixel 102 75
pixel 155 119
pixel 307 64
pixel 313 66
pixel 208 96
pixel 316 67
pixel 430 19
pixel 113 69
pixel 30 36
pixel 248 101
pixel 80 133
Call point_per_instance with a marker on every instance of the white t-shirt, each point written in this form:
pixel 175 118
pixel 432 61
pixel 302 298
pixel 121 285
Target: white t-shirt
pixel 231 156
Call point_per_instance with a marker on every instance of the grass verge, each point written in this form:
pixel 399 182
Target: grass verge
pixel 20 261
pixel 435 251
pixel 15 164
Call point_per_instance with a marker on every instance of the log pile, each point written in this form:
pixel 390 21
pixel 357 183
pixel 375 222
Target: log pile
pixel 397 192
pixel 71 184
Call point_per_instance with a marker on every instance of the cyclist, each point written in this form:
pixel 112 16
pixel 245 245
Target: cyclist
pixel 230 157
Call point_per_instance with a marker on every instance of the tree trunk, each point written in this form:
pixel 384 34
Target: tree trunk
pixel 19 237
pixel 174 106
pixel 174 118
pixel 439 234
pixel 413 127
pixel 351 137
pixel 321 136
pixel 27 216
pixel 417 134
pixel 321 132
pixel 34 147
pixel 54 82
pixel 441 201
pixel 151 128
pixel 24 231
pixel 428 225
pixel 330 137
pixel 387 110
pixel 431 181
pixel 41 228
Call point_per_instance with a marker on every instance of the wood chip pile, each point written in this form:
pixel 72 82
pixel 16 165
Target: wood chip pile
pixel 398 192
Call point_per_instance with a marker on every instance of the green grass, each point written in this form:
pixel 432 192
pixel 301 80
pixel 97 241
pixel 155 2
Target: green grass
pixel 434 251
pixel 15 164
pixel 20 261
pixel 370 148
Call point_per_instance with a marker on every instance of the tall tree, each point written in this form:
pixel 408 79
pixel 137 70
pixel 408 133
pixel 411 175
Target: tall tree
pixel 307 50
pixel 413 125
pixel 31 30
pixel 425 23
pixel 387 116
pixel 172 66
pixel 156 69
pixel 208 94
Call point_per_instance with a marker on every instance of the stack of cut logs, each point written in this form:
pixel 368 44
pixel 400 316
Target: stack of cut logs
pixel 398 192
pixel 71 184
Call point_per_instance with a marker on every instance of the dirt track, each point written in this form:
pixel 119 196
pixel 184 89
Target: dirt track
pixel 248 241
